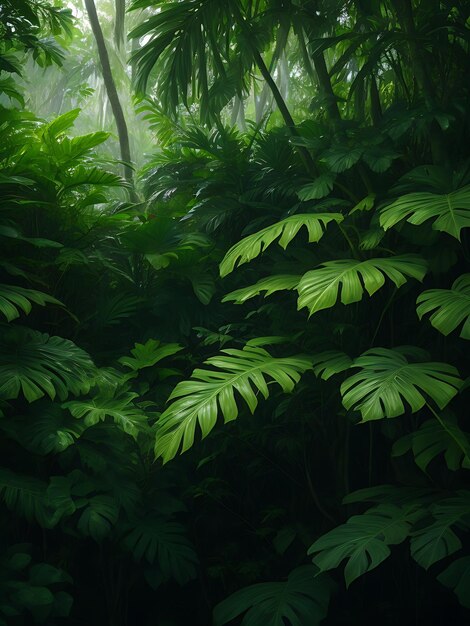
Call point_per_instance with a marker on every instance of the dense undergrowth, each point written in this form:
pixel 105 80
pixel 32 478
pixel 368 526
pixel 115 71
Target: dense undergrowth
pixel 280 315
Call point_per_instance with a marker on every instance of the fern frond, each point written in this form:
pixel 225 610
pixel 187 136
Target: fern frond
pixel 252 246
pixel 212 392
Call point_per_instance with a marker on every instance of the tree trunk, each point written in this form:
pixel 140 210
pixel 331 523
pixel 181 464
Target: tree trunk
pixel 112 94
pixel 120 10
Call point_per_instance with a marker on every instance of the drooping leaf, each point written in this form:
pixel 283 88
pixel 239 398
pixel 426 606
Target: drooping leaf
pixel 211 392
pixel 119 407
pixel 438 540
pixel 319 289
pixel 457 578
pixel 164 541
pixel 387 379
pixel 302 599
pixel 327 364
pixel 252 246
pixel 13 299
pixel 320 188
pixel 35 364
pixel 363 540
pixel 451 212
pixel 448 307
pixel 434 438
pixel 98 517
pixel 269 285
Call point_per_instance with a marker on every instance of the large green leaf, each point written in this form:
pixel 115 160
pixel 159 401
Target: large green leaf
pixel 436 437
pixel 120 408
pixel 363 540
pixel 270 285
pixel 13 299
pixel 451 212
pixel 35 499
pixel 450 307
pixel 252 246
pixel 320 288
pixel 211 392
pixel 438 540
pixel 98 517
pixel 158 539
pixel 387 379
pixel 46 429
pixel 302 599
pixel 457 577
pixel 35 364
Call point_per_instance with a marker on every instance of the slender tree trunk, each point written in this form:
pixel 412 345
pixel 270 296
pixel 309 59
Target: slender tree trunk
pixel 404 12
pixel 326 89
pixel 112 94
pixel 304 154
pixel 120 10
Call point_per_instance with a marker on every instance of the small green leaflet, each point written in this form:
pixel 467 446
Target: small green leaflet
pixel 149 353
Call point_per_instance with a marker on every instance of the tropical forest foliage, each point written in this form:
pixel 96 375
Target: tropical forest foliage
pixel 234 312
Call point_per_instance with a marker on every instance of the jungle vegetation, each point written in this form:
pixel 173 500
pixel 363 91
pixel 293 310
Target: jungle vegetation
pixel 234 312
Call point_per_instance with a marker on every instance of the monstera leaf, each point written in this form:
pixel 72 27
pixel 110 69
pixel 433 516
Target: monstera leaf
pixel 302 599
pixel 436 437
pixel 164 541
pixel 211 392
pixel 451 212
pixel 120 408
pixel 363 540
pixel 98 517
pixel 457 577
pixel 47 429
pixel 36 499
pixel 13 299
pixel 438 540
pixel 327 364
pixel 319 289
pixel 252 246
pixel 270 285
pixel 36 364
pixel 449 307
pixel 387 379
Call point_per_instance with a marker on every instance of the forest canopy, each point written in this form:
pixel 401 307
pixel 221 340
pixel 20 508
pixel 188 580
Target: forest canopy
pixel 234 312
